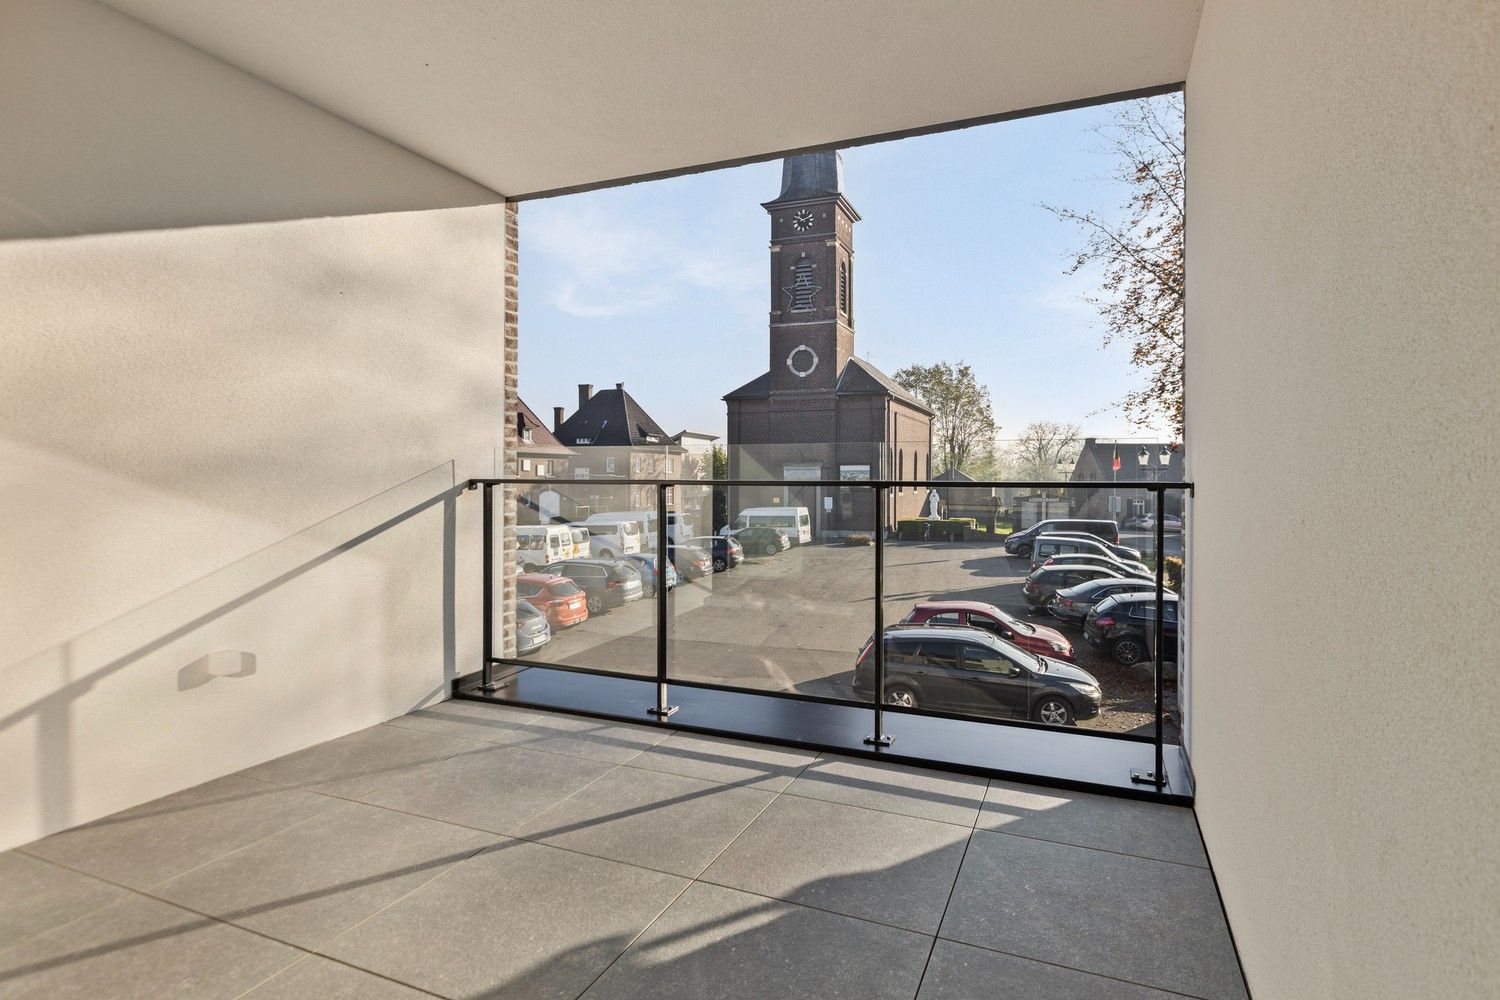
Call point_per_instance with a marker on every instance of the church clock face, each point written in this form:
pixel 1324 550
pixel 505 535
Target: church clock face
pixel 802 360
pixel 802 221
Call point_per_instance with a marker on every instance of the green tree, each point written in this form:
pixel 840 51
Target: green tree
pixel 721 462
pixel 1140 253
pixel 963 423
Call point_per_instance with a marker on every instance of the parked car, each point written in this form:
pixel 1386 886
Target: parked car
pixel 973 672
pixel 608 539
pixel 606 583
pixel 532 630
pixel 1120 551
pixel 1045 581
pixel 1147 522
pixel 762 540
pixel 1121 567
pixel 1126 625
pixel 976 614
pixel 1073 603
pixel 645 565
pixel 1018 543
pixel 539 545
pixel 725 551
pixel 557 597
pixel 690 561
pixel 1044 547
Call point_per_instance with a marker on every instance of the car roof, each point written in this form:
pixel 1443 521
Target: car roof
pixel 979 635
pixel 957 605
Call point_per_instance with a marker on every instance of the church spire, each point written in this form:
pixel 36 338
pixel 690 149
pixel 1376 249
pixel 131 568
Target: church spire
pixel 811 175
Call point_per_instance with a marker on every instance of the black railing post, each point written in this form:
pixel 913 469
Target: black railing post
pixel 879 737
pixel 487 671
pixel 1157 776
pixel 661 709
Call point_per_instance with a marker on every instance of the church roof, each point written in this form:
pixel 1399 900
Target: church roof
pixel 859 378
pixel 811 175
pixel 862 378
pixel 612 418
pixel 757 388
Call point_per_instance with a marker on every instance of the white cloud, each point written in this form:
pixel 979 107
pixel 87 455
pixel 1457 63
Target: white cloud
pixel 600 264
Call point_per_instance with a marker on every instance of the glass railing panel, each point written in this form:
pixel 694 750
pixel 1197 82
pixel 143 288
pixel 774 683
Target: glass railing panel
pixel 988 595
pixel 789 606
pixel 586 569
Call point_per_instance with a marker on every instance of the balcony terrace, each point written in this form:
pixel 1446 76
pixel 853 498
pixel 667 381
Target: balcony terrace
pixel 473 850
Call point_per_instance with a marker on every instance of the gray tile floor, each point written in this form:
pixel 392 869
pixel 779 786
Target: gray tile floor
pixel 478 851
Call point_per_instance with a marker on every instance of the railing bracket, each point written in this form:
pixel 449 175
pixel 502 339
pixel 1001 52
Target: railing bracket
pixel 1141 777
pixel 663 713
pixel 879 741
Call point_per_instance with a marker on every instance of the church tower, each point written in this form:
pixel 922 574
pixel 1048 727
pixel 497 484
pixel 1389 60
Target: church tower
pixel 812 273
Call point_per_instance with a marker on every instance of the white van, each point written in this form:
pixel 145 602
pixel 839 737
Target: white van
pixel 542 544
pixel 609 539
pixel 580 541
pixel 795 521
pixel 679 526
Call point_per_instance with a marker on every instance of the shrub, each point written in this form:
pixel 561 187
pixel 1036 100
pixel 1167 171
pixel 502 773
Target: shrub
pixel 859 538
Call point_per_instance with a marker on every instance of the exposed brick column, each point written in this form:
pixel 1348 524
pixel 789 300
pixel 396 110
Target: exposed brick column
pixel 507 466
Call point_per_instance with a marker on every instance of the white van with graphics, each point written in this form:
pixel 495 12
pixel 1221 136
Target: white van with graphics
pixel 795 521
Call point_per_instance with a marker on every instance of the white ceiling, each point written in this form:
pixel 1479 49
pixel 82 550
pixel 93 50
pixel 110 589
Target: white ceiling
pixel 526 96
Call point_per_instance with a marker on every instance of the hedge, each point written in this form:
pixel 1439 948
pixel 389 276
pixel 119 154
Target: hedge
pixel 922 529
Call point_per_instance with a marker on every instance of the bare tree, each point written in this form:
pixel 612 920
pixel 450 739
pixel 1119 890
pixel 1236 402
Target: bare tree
pixel 1045 451
pixel 963 425
pixel 1141 253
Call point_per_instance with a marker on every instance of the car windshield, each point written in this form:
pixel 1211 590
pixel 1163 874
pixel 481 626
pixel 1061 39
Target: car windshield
pixel 564 588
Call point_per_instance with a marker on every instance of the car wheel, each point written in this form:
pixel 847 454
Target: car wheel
pixel 595 604
pixel 900 696
pixel 720 564
pixel 772 548
pixel 1129 651
pixel 606 554
pixel 1053 710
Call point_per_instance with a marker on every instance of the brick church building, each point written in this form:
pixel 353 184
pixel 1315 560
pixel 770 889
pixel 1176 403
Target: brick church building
pixel 819 412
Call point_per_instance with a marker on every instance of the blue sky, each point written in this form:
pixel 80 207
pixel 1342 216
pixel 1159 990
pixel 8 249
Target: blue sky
pixel 663 285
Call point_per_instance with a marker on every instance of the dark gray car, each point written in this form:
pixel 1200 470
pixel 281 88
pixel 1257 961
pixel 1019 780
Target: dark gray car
pixel 1071 604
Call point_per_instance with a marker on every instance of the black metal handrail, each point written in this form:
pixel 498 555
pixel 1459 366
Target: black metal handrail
pixel 663 710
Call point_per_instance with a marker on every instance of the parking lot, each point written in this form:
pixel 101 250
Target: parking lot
pixel 797 621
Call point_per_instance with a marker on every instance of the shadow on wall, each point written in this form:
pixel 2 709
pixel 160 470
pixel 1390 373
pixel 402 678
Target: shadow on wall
pixel 157 699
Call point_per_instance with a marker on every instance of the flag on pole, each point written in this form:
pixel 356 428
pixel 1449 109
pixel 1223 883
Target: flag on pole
pixel 1115 465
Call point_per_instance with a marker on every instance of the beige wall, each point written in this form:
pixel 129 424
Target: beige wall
pixel 171 401
pixel 1342 406
pixel 107 125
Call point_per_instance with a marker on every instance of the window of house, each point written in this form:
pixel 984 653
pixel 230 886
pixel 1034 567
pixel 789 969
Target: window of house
pixel 526 465
pixel 609 464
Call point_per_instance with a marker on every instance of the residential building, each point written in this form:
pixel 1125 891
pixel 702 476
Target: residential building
pixel 1128 463
pixel 613 437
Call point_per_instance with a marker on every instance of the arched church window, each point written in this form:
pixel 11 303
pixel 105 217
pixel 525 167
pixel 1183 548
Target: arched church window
pixel 900 470
pixel 803 289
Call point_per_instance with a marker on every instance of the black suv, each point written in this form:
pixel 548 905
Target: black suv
pixel 606 583
pixel 1126 626
pixel 1018 543
pixel 965 670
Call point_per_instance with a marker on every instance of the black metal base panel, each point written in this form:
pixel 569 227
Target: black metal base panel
pixel 1059 758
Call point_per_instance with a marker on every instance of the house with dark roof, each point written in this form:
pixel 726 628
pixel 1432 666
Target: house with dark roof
pixel 613 437
pixel 819 412
pixel 539 454
pixel 1128 463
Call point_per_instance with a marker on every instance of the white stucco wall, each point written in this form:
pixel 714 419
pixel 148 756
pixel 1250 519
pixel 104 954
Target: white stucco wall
pixel 171 401
pixel 108 125
pixel 1342 403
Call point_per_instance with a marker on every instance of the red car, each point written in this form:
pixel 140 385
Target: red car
pixel 1030 637
pixel 560 599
